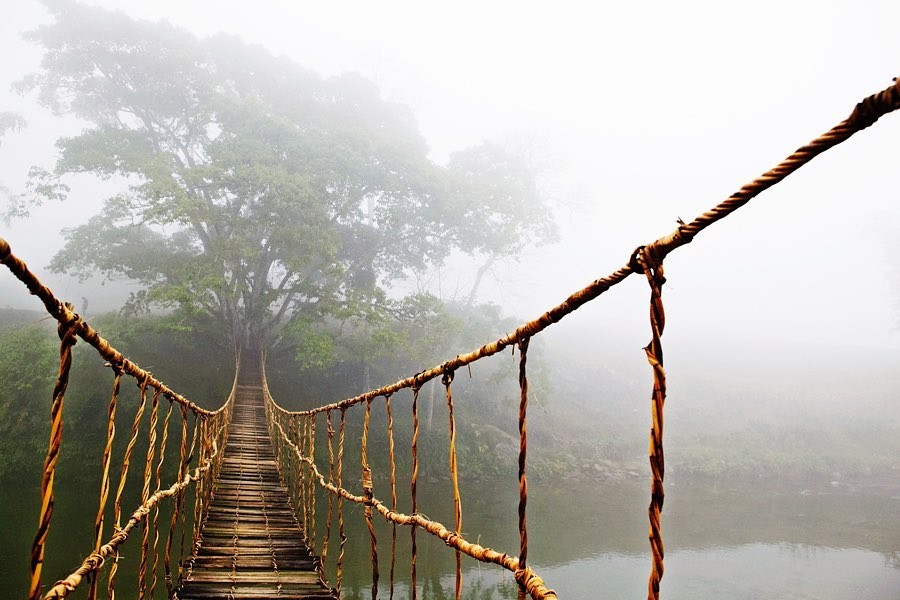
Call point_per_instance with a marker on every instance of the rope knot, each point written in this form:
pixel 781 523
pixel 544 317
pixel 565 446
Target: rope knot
pixel 650 264
pixel 117 368
pixel 634 262
pixel 68 327
pixel 447 377
pixel 523 345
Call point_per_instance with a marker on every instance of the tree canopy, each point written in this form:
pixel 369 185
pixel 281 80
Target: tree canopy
pixel 255 191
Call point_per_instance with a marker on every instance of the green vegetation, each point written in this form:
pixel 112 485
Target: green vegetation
pixel 262 205
pixel 593 428
pixel 28 365
pixel 255 192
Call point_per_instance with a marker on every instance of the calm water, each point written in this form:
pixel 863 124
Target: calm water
pixel 587 540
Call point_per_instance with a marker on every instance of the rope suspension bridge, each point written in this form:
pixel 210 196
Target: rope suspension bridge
pixel 243 506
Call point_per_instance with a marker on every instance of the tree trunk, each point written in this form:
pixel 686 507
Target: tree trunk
pixel 478 277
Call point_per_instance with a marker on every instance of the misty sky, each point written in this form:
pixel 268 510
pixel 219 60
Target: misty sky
pixel 639 114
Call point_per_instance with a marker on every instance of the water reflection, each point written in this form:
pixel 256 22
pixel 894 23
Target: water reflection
pixel 587 539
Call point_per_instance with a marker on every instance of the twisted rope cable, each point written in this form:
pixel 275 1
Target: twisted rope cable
pixel 67 318
pixel 94 562
pixel 295 468
pixel 533 584
pixel 368 492
pixel 157 487
pixel 184 512
pixel 176 509
pixel 329 431
pixel 104 469
pixel 71 323
pixel 412 485
pixel 145 493
pixel 303 486
pixel 67 340
pixel 447 379
pixel 343 536
pixel 306 480
pixel 117 505
pixel 867 112
pixel 656 279
pixel 523 452
pixel 197 526
pixel 311 529
pixel 390 427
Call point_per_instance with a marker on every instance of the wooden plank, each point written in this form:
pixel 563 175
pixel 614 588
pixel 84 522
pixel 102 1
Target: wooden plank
pixel 252 544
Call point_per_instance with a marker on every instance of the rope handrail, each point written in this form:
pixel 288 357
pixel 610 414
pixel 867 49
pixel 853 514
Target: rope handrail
pixel 865 114
pixel 68 318
pixel 70 327
pixel 97 558
pixel 95 561
pixel 525 576
pixel 295 448
pixel 647 259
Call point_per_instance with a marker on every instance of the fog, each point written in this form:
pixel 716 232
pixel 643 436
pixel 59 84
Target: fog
pixel 634 116
pixel 637 115
pixel 783 320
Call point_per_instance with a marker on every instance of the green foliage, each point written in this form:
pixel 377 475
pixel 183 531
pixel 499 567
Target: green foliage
pixel 28 366
pixel 258 193
pixel 181 352
pixel 27 358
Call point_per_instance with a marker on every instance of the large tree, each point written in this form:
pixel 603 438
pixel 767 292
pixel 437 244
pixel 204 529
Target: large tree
pixel 255 191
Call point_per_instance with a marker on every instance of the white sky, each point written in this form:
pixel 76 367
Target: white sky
pixel 647 112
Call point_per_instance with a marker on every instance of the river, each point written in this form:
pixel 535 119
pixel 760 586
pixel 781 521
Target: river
pixel 744 540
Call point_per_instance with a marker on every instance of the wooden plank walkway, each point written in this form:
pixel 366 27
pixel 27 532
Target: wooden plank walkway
pixel 253 547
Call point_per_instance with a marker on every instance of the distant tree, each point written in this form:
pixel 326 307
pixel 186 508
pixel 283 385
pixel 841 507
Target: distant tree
pixel 257 192
pixel 489 179
pixel 10 121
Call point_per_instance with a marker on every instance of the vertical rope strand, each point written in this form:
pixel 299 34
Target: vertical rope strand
pixel 184 511
pixel 340 502
pixel 145 493
pixel 329 430
pixel 304 473
pixel 412 489
pixel 176 508
pixel 312 485
pixel 291 428
pixel 390 426
pixel 368 494
pixel 104 469
pixel 447 379
pixel 523 451
pixel 300 431
pixel 202 436
pixel 159 465
pixel 67 340
pixel 654 351
pixel 123 477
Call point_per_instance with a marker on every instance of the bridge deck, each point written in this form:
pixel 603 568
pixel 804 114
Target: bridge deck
pixel 253 547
